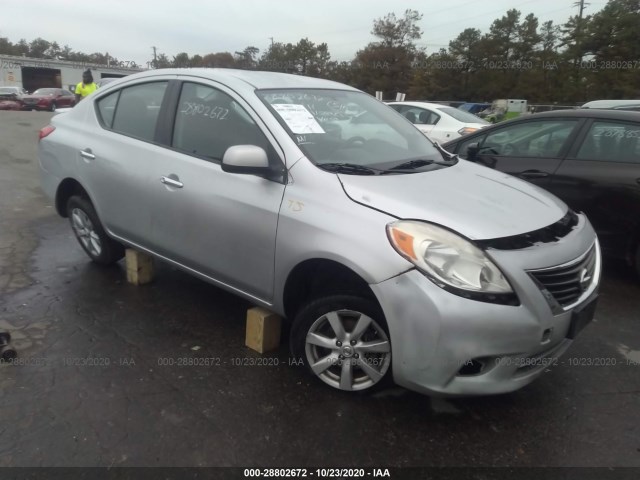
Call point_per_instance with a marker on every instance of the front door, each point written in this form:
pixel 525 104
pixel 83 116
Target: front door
pixel 530 150
pixel 220 224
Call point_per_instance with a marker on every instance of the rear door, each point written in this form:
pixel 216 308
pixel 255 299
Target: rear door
pixel 601 177
pixel 117 160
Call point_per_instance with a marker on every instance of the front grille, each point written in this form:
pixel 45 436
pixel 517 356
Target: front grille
pixel 30 101
pixel 566 283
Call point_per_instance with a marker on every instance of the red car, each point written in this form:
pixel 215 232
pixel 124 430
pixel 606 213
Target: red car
pixel 48 99
pixel 11 98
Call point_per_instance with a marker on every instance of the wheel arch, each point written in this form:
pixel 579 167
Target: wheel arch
pixel 320 276
pixel 68 188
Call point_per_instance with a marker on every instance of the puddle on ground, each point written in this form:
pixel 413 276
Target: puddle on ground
pixel 631 355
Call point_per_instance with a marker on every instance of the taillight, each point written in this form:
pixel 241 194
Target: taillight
pixel 45 131
pixel 466 130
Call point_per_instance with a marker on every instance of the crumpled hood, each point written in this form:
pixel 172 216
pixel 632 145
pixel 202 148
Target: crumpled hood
pixel 478 202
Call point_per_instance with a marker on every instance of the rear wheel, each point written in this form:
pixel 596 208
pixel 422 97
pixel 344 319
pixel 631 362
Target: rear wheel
pixel 343 341
pixel 53 107
pixel 90 234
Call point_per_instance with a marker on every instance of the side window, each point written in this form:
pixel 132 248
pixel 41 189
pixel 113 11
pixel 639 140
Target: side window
pixel 611 142
pixel 428 118
pixel 530 139
pixel 420 116
pixel 209 121
pixel 106 108
pixel 137 110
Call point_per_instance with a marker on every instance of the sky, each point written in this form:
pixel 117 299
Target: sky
pixel 128 29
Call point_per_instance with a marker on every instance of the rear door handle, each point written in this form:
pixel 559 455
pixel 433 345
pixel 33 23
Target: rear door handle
pixel 88 154
pixel 172 182
pixel 534 174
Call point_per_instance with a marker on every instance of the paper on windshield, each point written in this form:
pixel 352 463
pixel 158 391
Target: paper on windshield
pixel 298 118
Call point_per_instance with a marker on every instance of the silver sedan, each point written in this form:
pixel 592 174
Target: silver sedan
pixel 391 258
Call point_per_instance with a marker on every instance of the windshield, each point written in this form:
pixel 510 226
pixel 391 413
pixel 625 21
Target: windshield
pixel 462 116
pixel 336 126
pixel 44 91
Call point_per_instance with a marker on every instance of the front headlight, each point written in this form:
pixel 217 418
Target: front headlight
pixel 446 258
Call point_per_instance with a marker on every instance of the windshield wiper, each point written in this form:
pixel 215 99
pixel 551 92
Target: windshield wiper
pixel 348 168
pixel 412 164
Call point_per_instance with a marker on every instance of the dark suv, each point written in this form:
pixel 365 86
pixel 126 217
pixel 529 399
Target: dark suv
pixel 588 158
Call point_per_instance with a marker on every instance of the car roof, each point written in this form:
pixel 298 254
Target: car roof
pixel 420 104
pixel 256 79
pixel 576 113
pixel 585 113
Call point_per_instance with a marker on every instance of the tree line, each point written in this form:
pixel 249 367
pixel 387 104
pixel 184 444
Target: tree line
pixel 587 57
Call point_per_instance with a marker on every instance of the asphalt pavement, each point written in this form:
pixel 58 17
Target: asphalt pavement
pixel 110 374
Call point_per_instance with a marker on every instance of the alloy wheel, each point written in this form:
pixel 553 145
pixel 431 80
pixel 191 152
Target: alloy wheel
pixel 86 233
pixel 348 350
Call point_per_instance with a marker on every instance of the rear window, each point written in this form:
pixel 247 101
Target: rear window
pixel 611 141
pixel 106 108
pixel 133 111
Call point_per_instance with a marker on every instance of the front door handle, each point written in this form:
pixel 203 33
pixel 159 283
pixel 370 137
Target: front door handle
pixel 534 174
pixel 88 154
pixel 171 181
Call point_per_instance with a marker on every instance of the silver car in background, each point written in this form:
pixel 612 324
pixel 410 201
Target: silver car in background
pixel 390 258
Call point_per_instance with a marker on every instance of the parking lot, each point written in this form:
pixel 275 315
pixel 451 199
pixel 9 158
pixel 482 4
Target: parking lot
pixel 104 375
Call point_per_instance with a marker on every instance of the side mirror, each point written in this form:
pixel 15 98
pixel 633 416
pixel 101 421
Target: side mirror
pixel 472 152
pixel 473 155
pixel 246 159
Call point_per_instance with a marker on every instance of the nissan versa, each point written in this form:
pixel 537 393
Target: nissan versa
pixel 390 257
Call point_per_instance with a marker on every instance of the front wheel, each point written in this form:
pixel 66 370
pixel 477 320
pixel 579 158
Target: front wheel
pixel 53 107
pixel 343 341
pixel 90 234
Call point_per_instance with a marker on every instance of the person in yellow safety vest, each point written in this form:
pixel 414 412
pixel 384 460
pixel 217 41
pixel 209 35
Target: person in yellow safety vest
pixel 86 86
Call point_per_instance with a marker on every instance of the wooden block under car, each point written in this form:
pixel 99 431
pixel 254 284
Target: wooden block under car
pixel 139 267
pixel 263 330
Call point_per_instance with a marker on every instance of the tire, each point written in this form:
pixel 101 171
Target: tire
pixel 90 234
pixel 636 261
pixel 53 107
pixel 7 353
pixel 346 360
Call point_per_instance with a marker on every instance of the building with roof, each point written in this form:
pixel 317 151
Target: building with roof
pixel 34 73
